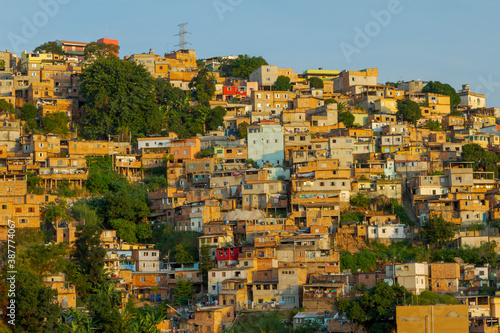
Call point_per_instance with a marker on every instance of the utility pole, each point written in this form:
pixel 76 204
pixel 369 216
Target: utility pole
pixel 182 36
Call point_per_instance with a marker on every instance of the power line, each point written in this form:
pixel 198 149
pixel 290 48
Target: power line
pixel 182 36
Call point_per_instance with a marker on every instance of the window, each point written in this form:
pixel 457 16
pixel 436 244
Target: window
pixel 143 279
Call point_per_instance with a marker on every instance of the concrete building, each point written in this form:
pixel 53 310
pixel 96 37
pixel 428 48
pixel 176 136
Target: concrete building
pixel 471 100
pixel 265 144
pixel 432 318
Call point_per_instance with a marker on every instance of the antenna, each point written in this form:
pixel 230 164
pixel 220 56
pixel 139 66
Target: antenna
pixel 182 36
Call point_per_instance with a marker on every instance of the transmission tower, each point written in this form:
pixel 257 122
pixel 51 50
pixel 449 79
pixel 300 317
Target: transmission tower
pixel 182 36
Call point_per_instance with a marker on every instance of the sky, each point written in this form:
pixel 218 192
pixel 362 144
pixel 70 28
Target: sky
pixel 454 42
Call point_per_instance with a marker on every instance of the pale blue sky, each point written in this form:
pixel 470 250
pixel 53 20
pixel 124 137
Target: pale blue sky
pixel 453 41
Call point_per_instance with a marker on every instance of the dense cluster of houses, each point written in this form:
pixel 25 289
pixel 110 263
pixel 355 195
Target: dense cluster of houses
pixel 268 203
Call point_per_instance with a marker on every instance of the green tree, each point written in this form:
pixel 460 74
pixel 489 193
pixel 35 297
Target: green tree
pixel 183 291
pixel 215 118
pixel 88 255
pixel 243 129
pixel 50 47
pixel 34 183
pixel 436 230
pixel 282 83
pixel 204 86
pixel 29 113
pixel 36 305
pixel 182 256
pixel 428 297
pixel 346 117
pixel 360 200
pixel 241 67
pixel 82 211
pixel 53 211
pixel 376 309
pixel 316 83
pixel 124 229
pixel 56 123
pixel 482 159
pixel 168 96
pixel 119 95
pixel 437 87
pixel 408 111
pixel 44 259
pixel 330 101
pixel 6 106
pixel 97 50
pixel 206 262
pixel 434 125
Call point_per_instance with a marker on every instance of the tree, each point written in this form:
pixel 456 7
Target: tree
pixel 204 85
pixel 243 130
pixel 240 67
pixel 481 158
pixel 434 125
pixel 428 297
pixel 36 305
pixel 346 117
pixel 97 50
pixel 49 47
pixel 119 98
pixel 437 87
pixel 182 256
pixel 6 106
pixel 206 262
pixel 215 118
pixel 168 96
pixel 316 83
pixel 330 101
pixel 88 254
pixel 44 259
pixel 56 123
pixel 282 83
pixel 124 229
pixel 183 291
pixel 408 111
pixel 82 211
pixel 437 230
pixel 360 200
pixel 29 113
pixel 376 309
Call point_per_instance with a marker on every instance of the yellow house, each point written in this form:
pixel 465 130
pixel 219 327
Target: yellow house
pixel 386 105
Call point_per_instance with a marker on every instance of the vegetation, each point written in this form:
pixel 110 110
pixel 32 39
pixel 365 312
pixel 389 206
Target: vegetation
pixel 482 159
pixel 49 47
pixel 360 200
pixel 98 50
pixel 6 106
pixel 408 111
pixel 282 83
pixel 215 118
pixel 346 117
pixel 183 291
pixel 316 83
pixel 111 88
pixel 352 216
pixel 437 87
pixel 204 86
pixel 437 231
pixel 29 113
pixel 376 309
pixel 166 241
pixel 56 123
pixel 243 130
pixel 434 125
pixel 241 67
